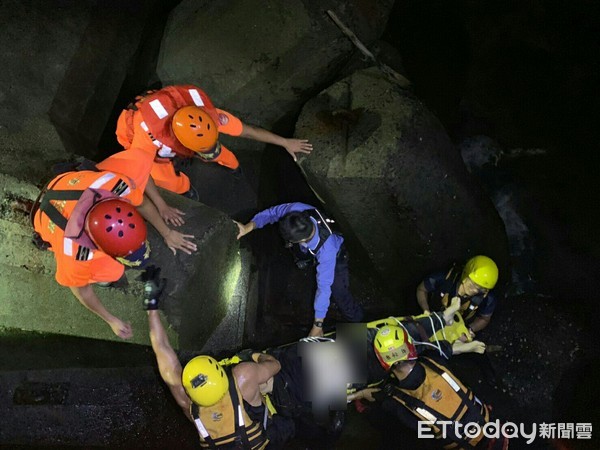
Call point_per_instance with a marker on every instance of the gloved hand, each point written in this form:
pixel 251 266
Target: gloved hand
pixel 245 355
pixel 153 286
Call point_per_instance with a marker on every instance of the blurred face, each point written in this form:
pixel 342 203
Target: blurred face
pixel 471 288
pixel 312 233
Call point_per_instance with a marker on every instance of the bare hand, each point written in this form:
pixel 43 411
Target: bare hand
pixel 367 394
pixel 172 216
pixel 316 332
pixel 294 146
pixel 179 241
pixel 243 230
pixel 121 329
pixel 451 310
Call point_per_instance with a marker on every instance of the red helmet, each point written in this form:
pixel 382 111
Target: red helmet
pixel 116 227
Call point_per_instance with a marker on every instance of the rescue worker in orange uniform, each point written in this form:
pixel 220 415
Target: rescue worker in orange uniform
pixel 182 121
pixel 423 389
pixel 92 220
pixel 225 404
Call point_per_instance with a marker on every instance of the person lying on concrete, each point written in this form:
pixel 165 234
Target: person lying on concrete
pixel 182 121
pixel 438 332
pixel 473 285
pixel 311 231
pixel 225 403
pixel 89 220
pixel 423 394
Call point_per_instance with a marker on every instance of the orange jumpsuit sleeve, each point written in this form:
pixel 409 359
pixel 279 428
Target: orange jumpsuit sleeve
pixel 229 124
pixel 135 164
pixel 73 273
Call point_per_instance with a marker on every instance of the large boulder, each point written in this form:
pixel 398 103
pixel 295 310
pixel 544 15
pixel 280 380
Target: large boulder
pixel 63 65
pixel 263 58
pixel 388 172
pixel 205 291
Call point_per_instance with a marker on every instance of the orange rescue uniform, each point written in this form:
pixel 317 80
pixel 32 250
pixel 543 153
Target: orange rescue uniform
pixel 125 173
pixel 147 125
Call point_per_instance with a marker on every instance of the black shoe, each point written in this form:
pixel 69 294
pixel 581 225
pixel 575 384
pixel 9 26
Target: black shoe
pixel 192 194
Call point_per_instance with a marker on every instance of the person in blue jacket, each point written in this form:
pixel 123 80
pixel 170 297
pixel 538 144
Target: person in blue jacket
pixel 312 231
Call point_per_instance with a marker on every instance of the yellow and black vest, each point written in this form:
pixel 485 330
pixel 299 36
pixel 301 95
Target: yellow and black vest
pixel 226 425
pixel 442 397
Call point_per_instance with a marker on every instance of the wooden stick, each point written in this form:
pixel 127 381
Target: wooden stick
pixel 392 75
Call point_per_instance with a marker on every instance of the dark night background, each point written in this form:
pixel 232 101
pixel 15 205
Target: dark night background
pixel 523 73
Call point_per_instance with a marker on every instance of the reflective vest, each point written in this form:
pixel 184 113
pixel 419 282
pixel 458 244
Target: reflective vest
pixel 440 397
pixel 61 197
pixel 226 425
pixel 157 110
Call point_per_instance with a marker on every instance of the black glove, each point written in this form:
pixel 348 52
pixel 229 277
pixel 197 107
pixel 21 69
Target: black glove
pixel 153 287
pixel 245 355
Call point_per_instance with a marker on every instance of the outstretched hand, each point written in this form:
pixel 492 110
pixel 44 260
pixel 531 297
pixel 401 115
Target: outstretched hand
pixel 179 241
pixel 171 215
pixel 121 329
pixel 244 229
pixel 294 146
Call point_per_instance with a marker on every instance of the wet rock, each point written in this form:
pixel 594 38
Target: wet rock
pixel 388 172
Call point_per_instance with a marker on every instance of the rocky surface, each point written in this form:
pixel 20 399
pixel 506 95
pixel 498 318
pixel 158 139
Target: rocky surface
pixel 389 174
pixel 263 59
pixel 201 290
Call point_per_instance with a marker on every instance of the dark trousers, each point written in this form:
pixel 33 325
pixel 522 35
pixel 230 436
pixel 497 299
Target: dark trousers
pixel 340 290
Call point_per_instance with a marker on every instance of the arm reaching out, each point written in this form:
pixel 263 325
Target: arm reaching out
pixel 292 146
pixel 171 216
pixel 174 239
pixel 244 229
pixel 88 298
pixel 168 363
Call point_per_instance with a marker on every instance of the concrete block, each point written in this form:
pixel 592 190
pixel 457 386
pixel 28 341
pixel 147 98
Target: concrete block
pixel 202 288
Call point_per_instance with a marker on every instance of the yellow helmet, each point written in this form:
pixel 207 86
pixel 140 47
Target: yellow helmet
pixel 392 344
pixel 204 380
pixel 481 270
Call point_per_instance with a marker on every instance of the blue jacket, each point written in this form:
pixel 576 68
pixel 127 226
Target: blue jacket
pixel 326 256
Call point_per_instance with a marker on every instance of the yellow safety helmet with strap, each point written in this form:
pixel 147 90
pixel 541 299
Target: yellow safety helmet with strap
pixel 204 380
pixel 481 270
pixel 392 344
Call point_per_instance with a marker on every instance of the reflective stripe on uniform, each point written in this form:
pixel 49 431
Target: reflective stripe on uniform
pixel 102 180
pixel 196 97
pixel 450 381
pixel 426 414
pixel 166 152
pixel 68 247
pixel 156 142
pixel 240 415
pixel 201 428
pixel 158 109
